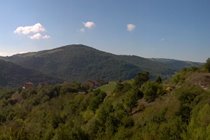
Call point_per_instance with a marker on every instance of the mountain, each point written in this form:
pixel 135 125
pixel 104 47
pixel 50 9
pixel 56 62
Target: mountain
pixel 176 64
pixel 13 75
pixel 81 63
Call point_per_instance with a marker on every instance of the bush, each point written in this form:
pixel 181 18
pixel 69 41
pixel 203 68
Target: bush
pixel 180 77
pixel 187 96
pixel 152 90
pixel 122 87
pixel 70 88
pixel 119 87
pixel 141 78
pixel 207 65
pixel 97 99
pixel 158 80
pixel 199 125
pixel 132 98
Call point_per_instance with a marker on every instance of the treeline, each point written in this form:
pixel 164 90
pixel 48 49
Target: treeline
pixel 133 110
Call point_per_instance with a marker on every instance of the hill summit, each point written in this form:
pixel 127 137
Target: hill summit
pixel 80 63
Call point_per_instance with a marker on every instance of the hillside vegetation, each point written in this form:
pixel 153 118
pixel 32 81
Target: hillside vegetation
pixel 82 63
pixel 140 108
pixel 12 75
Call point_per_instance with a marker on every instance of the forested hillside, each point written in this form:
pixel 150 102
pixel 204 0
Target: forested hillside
pixel 135 109
pixel 12 75
pixel 82 63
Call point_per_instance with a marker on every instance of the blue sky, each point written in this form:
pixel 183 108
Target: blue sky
pixel 178 29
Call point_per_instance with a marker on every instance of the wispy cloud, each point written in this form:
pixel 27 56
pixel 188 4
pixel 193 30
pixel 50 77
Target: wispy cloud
pixel 87 25
pixel 33 31
pixel 39 36
pixel 131 27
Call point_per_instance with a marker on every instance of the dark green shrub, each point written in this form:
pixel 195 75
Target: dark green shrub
pixel 97 99
pixel 207 65
pixel 132 97
pixel 158 80
pixel 187 96
pixel 141 78
pixel 152 90
pixel 122 87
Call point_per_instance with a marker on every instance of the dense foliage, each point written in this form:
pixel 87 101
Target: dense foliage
pixel 12 75
pixel 82 63
pixel 207 65
pixel 116 111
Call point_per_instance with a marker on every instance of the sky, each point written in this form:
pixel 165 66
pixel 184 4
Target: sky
pixel 176 29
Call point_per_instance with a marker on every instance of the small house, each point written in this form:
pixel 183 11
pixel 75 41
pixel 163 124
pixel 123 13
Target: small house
pixel 28 85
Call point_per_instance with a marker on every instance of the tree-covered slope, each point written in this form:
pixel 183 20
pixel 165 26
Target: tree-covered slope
pixel 176 64
pixel 130 110
pixel 15 75
pixel 77 63
pixel 81 63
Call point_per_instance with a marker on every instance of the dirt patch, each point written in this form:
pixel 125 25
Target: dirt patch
pixel 200 79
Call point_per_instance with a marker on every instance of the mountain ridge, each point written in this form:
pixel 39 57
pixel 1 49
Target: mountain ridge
pixel 71 45
pixel 79 62
pixel 13 75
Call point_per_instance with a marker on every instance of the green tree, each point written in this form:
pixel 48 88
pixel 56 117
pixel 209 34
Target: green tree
pixel 141 78
pixel 207 65
pixel 132 97
pixel 152 90
pixel 187 97
pixel 119 87
pixel 159 79
pixel 122 87
pixel 97 99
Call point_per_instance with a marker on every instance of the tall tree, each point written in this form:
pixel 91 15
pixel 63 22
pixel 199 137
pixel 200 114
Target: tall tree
pixel 141 78
pixel 207 65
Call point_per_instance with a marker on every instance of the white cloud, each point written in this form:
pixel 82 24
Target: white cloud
pixel 25 30
pixel 89 24
pixel 39 36
pixel 131 27
pixel 32 32
pixel 36 36
pixel 46 37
